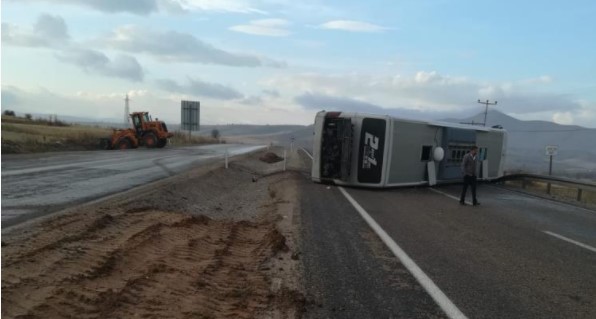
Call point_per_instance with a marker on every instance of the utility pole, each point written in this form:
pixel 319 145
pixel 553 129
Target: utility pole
pixel 126 110
pixel 487 103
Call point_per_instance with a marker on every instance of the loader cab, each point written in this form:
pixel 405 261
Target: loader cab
pixel 139 120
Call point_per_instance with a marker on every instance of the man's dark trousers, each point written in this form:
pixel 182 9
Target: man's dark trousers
pixel 469 180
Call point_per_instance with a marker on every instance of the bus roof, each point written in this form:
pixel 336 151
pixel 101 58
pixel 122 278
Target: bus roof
pixel 430 123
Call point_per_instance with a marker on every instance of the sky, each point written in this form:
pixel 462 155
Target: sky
pixel 281 61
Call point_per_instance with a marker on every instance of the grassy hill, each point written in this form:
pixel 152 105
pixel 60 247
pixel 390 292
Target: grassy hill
pixel 21 135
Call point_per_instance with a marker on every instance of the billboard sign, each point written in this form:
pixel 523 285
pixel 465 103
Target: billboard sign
pixel 551 150
pixel 191 115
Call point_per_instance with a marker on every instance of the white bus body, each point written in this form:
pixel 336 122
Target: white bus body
pixel 381 151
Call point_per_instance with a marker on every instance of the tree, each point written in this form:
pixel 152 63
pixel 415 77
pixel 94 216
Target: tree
pixel 9 113
pixel 29 116
pixel 215 133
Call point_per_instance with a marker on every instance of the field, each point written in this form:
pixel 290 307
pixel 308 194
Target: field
pixel 20 135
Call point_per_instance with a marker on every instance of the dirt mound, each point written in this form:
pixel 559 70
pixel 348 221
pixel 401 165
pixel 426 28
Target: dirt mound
pixel 150 265
pixel 270 158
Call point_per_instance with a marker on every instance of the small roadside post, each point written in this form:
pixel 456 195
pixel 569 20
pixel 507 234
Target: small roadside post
pixel 551 150
pixel 226 158
pixel 285 160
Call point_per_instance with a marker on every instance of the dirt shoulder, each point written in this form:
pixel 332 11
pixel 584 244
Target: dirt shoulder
pixel 209 244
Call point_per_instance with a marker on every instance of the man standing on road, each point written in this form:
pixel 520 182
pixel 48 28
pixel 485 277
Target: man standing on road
pixel 468 168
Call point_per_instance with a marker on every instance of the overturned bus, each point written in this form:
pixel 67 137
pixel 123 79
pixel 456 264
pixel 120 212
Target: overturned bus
pixel 382 151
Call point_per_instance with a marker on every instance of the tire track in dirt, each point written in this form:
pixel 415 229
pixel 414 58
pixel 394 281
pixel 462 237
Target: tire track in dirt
pixel 153 255
pixel 160 265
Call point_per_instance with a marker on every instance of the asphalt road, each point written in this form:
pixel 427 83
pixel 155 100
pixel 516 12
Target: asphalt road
pixel 348 272
pixel 495 260
pixel 515 256
pixel 34 185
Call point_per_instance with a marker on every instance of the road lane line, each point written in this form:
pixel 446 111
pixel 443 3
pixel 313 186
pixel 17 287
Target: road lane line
pixel 582 245
pixel 439 297
pixel 448 195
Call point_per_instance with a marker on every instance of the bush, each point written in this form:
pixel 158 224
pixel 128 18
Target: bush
pixel 215 133
pixel 182 138
pixel 28 116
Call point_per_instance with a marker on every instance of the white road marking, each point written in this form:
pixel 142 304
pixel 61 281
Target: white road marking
pixel 588 247
pixel 448 195
pixel 307 153
pixel 440 298
pixel 582 245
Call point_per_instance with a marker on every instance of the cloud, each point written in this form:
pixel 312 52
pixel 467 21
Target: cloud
pixel 264 27
pixel 91 61
pixel 52 32
pixel 538 80
pixel 110 6
pixel 564 118
pixel 48 31
pixel 45 101
pixel 52 27
pixel 92 106
pixel 180 47
pixel 352 26
pixel 145 7
pixel 9 98
pixel 320 101
pixel 421 91
pixel 427 91
pixel 271 93
pixel 235 6
pixel 515 99
pixel 200 88
pixel 252 100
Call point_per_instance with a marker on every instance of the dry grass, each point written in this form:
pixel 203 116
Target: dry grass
pixel 56 132
pixel 20 135
pixel 182 138
pixel 37 121
pixel 31 137
pixel 557 191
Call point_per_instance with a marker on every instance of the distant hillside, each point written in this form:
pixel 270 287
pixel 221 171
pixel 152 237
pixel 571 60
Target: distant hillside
pixel 527 140
pixel 244 129
pixel 102 122
pixel 266 134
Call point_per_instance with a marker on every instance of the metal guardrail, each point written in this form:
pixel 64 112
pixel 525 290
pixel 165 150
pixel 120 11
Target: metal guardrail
pixel 570 183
